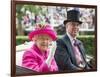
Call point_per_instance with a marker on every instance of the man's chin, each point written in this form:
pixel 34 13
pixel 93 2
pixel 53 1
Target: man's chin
pixel 74 35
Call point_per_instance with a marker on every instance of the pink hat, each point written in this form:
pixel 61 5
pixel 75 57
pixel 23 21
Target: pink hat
pixel 43 29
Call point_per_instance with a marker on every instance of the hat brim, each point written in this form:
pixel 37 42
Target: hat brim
pixel 66 21
pixel 51 33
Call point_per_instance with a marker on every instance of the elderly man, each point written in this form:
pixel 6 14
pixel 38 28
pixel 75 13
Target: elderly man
pixel 70 53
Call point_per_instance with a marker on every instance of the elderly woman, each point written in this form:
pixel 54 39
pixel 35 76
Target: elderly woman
pixel 40 57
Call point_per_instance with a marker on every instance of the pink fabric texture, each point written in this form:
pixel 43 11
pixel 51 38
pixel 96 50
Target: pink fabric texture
pixel 43 30
pixel 34 59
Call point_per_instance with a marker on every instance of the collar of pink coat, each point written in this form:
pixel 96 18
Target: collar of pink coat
pixel 36 49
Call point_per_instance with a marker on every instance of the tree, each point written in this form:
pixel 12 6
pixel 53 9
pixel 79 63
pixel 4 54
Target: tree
pixel 19 15
pixel 21 11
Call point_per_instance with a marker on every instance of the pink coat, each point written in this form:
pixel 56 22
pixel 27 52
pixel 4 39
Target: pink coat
pixel 34 59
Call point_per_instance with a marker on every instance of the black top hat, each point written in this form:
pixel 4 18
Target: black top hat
pixel 73 15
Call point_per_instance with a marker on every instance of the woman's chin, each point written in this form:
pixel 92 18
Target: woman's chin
pixel 44 48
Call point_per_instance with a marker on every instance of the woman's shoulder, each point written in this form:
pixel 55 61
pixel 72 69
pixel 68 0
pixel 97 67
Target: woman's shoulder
pixel 29 52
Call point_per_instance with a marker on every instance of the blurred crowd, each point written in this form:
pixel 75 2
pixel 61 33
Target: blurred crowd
pixel 55 16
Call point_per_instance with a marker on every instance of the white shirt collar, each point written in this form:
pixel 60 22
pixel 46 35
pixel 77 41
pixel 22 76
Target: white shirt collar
pixel 71 38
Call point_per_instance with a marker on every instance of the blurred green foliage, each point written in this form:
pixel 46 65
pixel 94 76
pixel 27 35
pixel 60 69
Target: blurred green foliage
pixel 88 42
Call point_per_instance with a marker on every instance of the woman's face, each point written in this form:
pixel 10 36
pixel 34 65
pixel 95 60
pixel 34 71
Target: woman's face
pixel 43 41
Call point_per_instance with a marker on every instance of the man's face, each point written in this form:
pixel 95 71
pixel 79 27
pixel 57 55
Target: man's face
pixel 72 28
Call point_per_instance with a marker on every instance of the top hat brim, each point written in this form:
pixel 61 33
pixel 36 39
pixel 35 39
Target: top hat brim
pixel 66 21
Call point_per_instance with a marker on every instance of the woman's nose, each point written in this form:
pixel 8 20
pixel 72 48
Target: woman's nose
pixel 45 41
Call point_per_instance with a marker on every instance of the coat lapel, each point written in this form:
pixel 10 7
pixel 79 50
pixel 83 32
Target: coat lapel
pixel 68 44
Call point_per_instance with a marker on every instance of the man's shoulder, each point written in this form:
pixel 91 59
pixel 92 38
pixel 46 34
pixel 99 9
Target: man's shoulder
pixel 63 37
pixel 62 40
pixel 79 41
